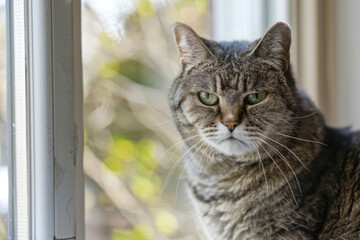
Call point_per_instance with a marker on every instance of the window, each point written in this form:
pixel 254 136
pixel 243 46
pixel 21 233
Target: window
pixel 133 184
pixel 44 119
pixel 3 125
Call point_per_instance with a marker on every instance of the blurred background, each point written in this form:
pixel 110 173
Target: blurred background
pixel 133 187
pixel 134 182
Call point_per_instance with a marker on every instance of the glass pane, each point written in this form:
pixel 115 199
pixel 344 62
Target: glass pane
pixel 3 136
pixel 130 60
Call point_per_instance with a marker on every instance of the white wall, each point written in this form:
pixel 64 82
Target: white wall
pixel 244 19
pixel 347 61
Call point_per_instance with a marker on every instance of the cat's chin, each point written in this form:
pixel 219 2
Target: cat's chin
pixel 232 147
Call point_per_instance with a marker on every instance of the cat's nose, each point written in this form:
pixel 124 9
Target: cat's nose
pixel 231 125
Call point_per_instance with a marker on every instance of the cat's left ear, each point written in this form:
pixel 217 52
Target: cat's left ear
pixel 274 46
pixel 192 49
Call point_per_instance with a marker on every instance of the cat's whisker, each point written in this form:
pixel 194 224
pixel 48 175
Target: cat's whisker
pixel 286 149
pixel 306 116
pixel 285 160
pixel 161 123
pixel 267 122
pixel 292 192
pixel 291 126
pixel 204 152
pixel 200 135
pixel 178 183
pixel 170 159
pixel 256 147
pixel 162 155
pixel 177 164
pixel 300 139
pixel 187 162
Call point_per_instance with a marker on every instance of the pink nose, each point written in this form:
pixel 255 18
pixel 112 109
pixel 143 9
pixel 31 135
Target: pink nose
pixel 231 125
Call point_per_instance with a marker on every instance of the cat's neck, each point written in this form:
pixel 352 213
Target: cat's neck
pixel 247 190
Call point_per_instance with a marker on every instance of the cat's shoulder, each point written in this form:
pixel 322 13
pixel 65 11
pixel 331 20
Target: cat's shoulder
pixel 343 214
pixel 345 138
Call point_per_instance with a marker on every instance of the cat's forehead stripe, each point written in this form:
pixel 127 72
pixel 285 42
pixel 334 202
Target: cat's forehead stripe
pixel 232 81
pixel 241 83
pixel 218 83
pixel 223 81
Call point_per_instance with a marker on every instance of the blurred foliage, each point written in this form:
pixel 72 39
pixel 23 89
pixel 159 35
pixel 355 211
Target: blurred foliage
pixel 166 223
pixel 145 8
pixel 128 125
pixel 131 69
pixel 3 234
pixel 139 232
pixel 135 160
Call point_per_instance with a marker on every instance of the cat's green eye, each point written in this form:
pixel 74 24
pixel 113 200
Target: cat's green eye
pixel 255 98
pixel 208 98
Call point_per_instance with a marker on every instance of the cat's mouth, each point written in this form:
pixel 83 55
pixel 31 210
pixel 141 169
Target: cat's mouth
pixel 232 145
pixel 233 138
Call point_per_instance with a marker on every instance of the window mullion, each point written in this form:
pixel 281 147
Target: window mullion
pixel 45 109
pixel 19 214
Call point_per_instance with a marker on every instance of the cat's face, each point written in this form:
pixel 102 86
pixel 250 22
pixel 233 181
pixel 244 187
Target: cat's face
pixel 235 96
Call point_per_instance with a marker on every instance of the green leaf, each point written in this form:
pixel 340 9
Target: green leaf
pixel 109 70
pixel 139 232
pixel 3 234
pixel 143 232
pixel 123 149
pixel 114 164
pixel 201 5
pixel 145 188
pixel 105 39
pixel 122 234
pixel 146 8
pixel 147 152
pixel 166 223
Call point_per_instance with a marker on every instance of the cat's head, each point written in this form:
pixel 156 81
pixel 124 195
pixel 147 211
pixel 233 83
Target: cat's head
pixel 235 96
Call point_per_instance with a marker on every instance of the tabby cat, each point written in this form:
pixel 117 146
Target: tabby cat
pixel 260 162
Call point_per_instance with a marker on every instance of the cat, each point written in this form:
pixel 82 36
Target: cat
pixel 260 161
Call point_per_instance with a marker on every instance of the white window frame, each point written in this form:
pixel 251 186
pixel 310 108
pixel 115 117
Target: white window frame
pixel 45 111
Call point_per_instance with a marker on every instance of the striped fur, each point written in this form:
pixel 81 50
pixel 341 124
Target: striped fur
pixel 281 174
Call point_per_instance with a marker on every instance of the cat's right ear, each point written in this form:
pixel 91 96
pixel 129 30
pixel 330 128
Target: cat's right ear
pixel 192 49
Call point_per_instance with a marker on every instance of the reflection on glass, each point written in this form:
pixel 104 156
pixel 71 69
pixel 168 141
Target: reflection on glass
pixel 3 160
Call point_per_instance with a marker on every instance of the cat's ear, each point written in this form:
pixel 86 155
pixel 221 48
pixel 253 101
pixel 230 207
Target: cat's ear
pixel 192 49
pixel 274 46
